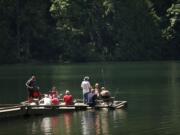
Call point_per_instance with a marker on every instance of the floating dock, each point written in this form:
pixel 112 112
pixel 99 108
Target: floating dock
pixel 20 110
pixel 10 110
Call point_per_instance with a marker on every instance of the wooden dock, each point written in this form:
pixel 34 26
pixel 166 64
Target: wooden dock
pixel 20 110
pixel 10 110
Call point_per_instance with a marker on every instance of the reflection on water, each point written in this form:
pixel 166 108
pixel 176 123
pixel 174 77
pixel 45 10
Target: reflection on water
pixel 68 122
pixel 46 126
pixel 89 122
pixel 42 126
pixel 98 122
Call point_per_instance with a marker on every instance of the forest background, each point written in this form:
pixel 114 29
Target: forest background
pixel 89 30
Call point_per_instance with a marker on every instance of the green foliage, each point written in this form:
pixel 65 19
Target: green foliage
pixel 7 37
pixel 126 33
pixel 88 30
pixel 174 15
pixel 173 30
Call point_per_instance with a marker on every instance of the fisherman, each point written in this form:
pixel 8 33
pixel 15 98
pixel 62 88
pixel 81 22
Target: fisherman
pixel 92 98
pixel 68 98
pixel 31 86
pixel 86 86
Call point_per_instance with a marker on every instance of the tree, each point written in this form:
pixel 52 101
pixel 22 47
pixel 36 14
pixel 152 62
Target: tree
pixel 8 51
pixel 173 30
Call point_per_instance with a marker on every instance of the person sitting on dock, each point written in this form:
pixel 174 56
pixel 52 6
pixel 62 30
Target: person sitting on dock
pixel 68 98
pixel 106 96
pixel 92 98
pixel 55 100
pixel 105 93
pixel 53 92
pixel 46 100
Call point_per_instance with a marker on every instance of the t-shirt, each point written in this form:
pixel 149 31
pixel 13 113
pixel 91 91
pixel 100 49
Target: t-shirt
pixel 85 85
pixel 68 99
pixel 46 100
pixel 105 93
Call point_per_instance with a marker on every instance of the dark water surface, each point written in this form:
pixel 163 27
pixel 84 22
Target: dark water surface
pixel 152 90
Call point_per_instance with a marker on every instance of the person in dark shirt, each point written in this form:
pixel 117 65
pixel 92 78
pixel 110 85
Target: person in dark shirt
pixel 92 98
pixel 31 86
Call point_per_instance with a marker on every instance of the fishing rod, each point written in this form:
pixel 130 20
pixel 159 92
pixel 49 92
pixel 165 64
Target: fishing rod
pixel 103 78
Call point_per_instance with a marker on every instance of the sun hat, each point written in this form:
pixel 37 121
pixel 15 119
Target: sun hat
pixel 67 92
pixel 86 78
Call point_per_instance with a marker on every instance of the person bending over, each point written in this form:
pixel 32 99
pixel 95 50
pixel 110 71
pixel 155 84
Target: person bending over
pixel 92 98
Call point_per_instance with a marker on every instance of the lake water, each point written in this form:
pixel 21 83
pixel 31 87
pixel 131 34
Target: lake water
pixel 152 90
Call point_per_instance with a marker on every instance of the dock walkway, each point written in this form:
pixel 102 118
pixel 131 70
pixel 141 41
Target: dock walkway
pixel 10 110
pixel 20 110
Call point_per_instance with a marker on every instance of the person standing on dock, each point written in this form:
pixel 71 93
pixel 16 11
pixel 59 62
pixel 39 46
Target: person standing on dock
pixel 31 86
pixel 86 86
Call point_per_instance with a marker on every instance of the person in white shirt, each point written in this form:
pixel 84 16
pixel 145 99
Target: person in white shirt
pixel 46 100
pixel 86 86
